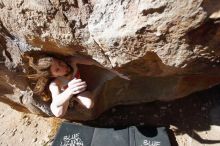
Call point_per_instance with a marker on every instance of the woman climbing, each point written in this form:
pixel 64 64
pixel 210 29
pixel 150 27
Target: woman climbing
pixel 65 85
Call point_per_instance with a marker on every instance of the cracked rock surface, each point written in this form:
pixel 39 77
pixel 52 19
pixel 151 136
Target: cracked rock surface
pixel 169 49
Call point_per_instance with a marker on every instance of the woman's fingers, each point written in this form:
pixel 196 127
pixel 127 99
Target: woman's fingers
pixel 78 87
pixel 77 84
pixel 78 90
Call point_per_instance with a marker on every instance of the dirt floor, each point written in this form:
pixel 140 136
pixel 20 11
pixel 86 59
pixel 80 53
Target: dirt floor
pixel 194 120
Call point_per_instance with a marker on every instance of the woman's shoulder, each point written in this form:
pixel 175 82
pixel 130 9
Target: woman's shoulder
pixel 54 82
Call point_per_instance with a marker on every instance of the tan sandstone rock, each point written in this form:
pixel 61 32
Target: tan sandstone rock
pixel 169 49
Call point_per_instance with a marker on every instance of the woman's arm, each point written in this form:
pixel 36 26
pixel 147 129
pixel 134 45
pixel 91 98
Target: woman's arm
pixel 59 104
pixel 60 101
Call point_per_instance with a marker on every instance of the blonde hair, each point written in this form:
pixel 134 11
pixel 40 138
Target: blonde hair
pixel 42 75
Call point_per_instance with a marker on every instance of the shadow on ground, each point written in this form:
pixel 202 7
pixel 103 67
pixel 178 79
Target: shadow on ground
pixel 197 112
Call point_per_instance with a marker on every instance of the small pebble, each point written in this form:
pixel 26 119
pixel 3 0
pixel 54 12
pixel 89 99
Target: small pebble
pixel 24 116
pixel 158 33
pixel 35 131
pixel 13 132
pixel 36 125
pixel 28 123
pixel 21 139
pixel 34 140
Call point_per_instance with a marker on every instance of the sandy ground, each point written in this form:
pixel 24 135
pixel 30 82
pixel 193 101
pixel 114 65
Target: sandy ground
pixel 20 129
pixel 194 121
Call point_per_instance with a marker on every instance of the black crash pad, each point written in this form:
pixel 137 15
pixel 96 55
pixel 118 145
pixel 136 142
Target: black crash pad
pixel 77 135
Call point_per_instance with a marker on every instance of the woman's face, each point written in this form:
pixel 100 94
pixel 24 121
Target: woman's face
pixel 59 68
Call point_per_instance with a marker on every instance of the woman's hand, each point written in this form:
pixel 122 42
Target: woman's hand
pixel 76 86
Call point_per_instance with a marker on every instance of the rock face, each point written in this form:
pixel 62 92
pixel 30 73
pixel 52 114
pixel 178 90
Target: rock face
pixel 169 49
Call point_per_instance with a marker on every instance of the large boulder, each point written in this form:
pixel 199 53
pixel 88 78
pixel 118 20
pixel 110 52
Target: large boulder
pixel 168 49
